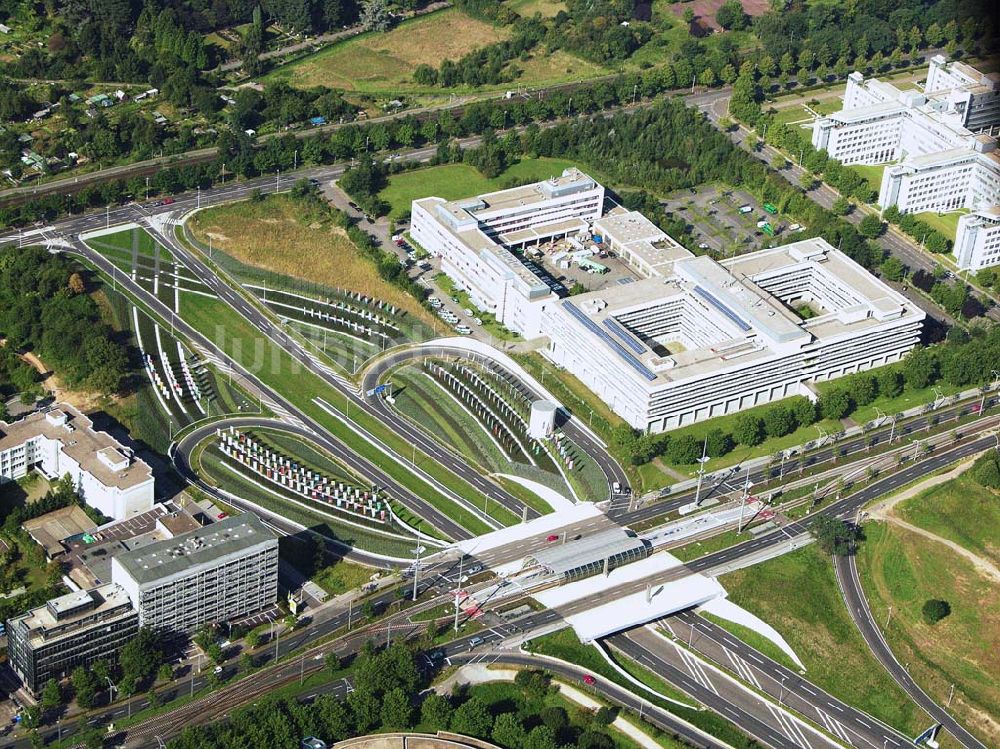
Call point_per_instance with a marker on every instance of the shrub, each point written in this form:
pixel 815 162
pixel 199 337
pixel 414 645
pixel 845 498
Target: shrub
pixel 935 610
pixel 748 429
pixel 986 470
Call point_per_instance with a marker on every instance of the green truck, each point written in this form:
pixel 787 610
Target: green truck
pixel 770 208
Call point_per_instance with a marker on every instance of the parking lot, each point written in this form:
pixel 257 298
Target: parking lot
pixel 554 261
pixel 718 226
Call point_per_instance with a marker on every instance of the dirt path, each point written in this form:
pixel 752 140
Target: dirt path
pixel 886 511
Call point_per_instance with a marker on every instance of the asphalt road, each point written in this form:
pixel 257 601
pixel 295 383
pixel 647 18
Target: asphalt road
pixel 570 425
pixel 857 605
pixel 181 455
pixel 730 479
pixel 357 463
pixel 781 683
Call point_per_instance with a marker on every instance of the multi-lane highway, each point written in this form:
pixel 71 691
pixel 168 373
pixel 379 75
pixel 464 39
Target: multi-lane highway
pixel 571 426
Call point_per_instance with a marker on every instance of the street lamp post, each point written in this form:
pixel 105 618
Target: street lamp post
pixel 416 569
pixel 461 561
pixel 701 471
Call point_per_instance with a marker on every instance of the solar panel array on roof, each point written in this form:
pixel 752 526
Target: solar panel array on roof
pixel 724 309
pixel 637 365
pixel 627 338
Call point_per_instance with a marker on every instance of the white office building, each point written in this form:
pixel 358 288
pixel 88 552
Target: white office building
pixel 977 241
pixel 62 441
pixel 937 142
pixel 221 572
pixel 474 238
pixel 698 339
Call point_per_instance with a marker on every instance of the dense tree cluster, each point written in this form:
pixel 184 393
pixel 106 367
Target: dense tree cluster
pixel 41 309
pixel 386 697
pixel 986 470
pixel 750 428
pixel 487 64
pixel 836 536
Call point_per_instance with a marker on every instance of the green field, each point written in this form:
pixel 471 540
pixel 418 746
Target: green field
pixel 453 181
pixel 960 510
pixel 902 569
pixel 798 595
pixel 384 63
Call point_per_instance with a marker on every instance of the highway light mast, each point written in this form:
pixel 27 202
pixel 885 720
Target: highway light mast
pixel 701 471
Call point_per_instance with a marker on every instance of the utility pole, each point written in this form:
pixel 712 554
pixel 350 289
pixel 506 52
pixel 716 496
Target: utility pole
pixel 701 471
pixel 416 569
pixel 461 561
pixel 951 693
pixel 888 618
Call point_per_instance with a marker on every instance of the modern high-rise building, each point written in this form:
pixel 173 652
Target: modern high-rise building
pixel 63 441
pixel 474 238
pixel 224 571
pixel 73 630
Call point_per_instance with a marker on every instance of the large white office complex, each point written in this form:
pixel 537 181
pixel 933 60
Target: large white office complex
pixel 937 143
pixel 221 572
pixel 689 338
pixel 63 441
pixel 701 339
pixel 474 238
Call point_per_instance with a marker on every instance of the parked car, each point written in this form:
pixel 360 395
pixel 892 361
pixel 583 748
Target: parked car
pixel 468 312
pixel 463 330
pixel 478 321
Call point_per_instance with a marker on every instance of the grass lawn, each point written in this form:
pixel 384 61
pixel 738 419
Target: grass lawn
pixel 797 594
pixel 546 8
pixel 904 401
pixel 741 452
pixel 962 511
pixel 283 235
pixel 945 223
pixel 385 62
pixel 755 640
pixel 453 181
pixel 871 173
pixel 903 570
pixel 342 577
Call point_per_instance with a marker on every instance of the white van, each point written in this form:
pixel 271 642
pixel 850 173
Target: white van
pixel 746 209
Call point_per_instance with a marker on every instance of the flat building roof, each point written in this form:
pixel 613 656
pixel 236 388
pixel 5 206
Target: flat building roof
pixel 96 452
pixel 203 546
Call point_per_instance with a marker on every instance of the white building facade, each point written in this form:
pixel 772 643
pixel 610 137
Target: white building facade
pixel 710 339
pixel 222 572
pixel 937 143
pixel 977 241
pixel 474 239
pixel 62 441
